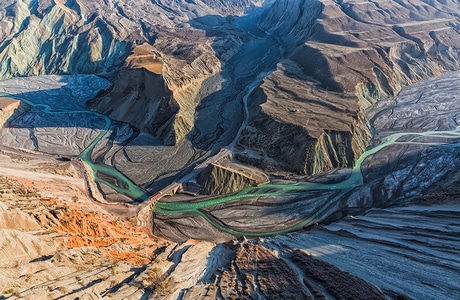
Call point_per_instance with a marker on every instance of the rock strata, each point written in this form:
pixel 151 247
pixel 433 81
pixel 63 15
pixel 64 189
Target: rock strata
pixel 226 177
pixel 340 58
pixel 157 89
pixel 8 107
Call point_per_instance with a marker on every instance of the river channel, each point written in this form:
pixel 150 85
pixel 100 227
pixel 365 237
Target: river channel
pixel 429 123
pixel 101 171
pixel 447 136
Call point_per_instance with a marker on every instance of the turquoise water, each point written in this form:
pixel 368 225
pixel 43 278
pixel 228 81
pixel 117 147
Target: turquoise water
pixel 343 187
pixel 125 186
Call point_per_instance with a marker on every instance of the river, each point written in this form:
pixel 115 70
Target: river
pixel 440 112
pixel 385 144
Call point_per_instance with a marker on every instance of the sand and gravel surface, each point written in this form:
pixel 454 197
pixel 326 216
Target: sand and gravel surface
pixel 55 242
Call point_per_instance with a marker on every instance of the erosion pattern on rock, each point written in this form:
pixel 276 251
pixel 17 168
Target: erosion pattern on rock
pixel 180 58
pixel 341 56
pixel 55 37
pixel 77 253
pixel 235 178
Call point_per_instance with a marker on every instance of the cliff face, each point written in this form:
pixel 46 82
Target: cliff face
pixel 341 58
pixel 227 177
pixel 8 107
pixel 159 86
pixel 188 59
pixel 312 133
pixel 81 36
pixel 291 21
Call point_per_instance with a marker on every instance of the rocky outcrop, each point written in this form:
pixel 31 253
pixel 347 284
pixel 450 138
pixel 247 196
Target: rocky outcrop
pixel 388 46
pixel 186 64
pixel 249 269
pixel 140 96
pixel 312 133
pixel 8 107
pixel 226 177
pixel 340 60
pixel 159 87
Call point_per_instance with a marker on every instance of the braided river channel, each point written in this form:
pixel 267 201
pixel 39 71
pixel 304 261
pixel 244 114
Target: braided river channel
pixel 424 128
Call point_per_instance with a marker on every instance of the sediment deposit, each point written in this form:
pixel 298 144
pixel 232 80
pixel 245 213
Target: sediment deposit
pixel 340 59
pixel 191 96
pixel 226 177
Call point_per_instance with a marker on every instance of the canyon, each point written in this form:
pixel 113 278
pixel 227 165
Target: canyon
pixel 229 149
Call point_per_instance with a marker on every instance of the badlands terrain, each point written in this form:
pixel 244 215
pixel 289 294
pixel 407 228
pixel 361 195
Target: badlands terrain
pixel 241 149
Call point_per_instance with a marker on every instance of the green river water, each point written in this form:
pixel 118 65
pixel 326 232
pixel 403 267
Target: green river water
pixel 128 188
pixel 125 186
pixel 343 187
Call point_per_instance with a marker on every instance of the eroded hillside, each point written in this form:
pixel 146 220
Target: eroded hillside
pixel 257 136
pixel 181 71
pixel 341 57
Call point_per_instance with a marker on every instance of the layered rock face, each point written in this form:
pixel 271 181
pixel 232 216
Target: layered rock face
pixel 306 117
pixel 140 95
pixel 81 36
pixel 226 177
pixel 8 107
pixel 159 86
pixel 341 58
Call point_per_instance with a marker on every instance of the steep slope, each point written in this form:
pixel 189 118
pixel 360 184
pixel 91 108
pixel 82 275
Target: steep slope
pixel 163 100
pixel 54 246
pixel 341 58
pixel 226 177
pixel 82 36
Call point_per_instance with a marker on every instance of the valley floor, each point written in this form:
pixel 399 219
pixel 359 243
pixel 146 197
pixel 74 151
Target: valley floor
pixel 57 244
